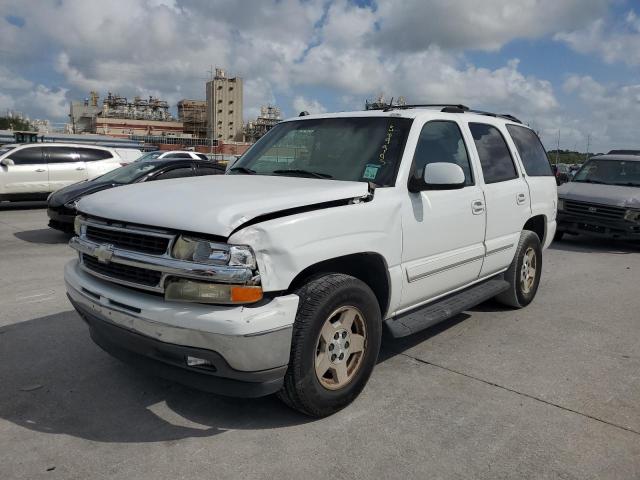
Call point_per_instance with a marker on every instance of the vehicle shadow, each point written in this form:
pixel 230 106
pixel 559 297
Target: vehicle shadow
pixel 585 244
pixel 23 205
pixel 46 236
pixel 56 380
pixel 395 346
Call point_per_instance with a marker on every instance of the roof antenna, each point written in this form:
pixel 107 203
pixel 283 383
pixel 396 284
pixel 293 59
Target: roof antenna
pixel 303 113
pixel 389 106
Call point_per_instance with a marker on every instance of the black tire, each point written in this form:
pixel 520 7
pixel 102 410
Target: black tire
pixel 558 236
pixel 517 296
pixel 319 298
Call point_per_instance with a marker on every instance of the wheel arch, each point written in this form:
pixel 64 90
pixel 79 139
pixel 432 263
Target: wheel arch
pixel 538 225
pixel 369 267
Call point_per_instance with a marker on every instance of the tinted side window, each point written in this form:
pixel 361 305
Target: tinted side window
pixel 210 170
pixel 177 155
pixel 28 156
pixel 175 173
pixel 441 142
pixel 61 154
pixel 201 156
pixel 495 157
pixel 93 154
pixel 531 151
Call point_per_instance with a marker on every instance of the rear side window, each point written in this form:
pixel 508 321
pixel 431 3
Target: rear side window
pixel 93 154
pixel 531 151
pixel 61 154
pixel 210 170
pixel 175 173
pixel 495 157
pixel 441 142
pixel 27 156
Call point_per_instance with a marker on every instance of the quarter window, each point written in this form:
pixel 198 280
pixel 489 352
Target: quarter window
pixel 495 157
pixel 27 156
pixel 93 154
pixel 175 173
pixel 531 151
pixel 441 141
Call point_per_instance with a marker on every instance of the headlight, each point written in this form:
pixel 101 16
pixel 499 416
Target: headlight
pixel 214 253
pixel 77 225
pixel 560 204
pixel 632 215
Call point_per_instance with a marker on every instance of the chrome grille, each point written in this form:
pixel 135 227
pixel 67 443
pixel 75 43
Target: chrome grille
pixel 128 240
pixel 594 210
pixel 117 271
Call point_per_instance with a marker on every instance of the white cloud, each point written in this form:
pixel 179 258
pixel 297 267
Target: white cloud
pixel 613 112
pixel 413 25
pixel 301 104
pixel 614 42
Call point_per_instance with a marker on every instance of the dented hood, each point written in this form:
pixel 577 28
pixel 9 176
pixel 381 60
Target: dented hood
pixel 215 205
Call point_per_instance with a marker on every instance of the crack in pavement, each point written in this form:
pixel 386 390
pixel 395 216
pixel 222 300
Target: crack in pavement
pixel 532 397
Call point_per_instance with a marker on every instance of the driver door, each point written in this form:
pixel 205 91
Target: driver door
pixel 443 230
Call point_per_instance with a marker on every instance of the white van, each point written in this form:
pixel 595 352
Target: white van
pixel 32 171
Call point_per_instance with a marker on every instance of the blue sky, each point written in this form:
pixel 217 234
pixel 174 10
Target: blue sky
pixel 568 65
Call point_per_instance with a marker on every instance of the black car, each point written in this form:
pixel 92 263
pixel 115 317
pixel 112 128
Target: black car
pixel 62 203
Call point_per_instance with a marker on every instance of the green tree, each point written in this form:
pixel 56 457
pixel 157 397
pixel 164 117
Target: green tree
pixel 7 123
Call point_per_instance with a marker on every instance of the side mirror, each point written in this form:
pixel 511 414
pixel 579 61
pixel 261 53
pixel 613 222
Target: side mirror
pixel 7 162
pixel 443 176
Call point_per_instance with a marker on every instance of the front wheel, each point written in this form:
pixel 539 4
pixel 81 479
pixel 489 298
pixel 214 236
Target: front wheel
pixel 524 272
pixel 335 344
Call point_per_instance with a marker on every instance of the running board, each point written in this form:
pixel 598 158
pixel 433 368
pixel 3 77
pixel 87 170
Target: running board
pixel 445 308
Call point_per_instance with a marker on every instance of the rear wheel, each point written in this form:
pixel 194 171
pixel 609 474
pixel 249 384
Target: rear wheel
pixel 335 344
pixel 524 272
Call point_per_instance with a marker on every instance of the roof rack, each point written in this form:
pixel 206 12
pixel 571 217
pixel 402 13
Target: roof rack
pixel 446 108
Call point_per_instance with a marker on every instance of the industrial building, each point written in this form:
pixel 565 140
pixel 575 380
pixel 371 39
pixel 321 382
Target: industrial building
pixel 193 115
pixel 269 116
pixel 118 117
pixel 224 107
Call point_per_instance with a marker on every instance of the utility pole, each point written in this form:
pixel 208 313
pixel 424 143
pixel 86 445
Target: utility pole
pixel 558 148
pixel 586 156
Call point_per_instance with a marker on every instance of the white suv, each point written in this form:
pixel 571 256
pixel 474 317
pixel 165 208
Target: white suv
pixel 32 171
pixel 282 275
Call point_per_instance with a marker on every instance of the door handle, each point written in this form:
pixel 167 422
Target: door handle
pixel 477 207
pixel 80 168
pixel 521 198
pixel 40 170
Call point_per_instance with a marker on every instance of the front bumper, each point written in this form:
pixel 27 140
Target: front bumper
pixel 61 220
pixel 596 227
pixel 247 346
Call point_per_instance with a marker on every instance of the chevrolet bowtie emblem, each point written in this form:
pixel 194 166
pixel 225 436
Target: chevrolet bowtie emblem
pixel 104 253
pixel 593 209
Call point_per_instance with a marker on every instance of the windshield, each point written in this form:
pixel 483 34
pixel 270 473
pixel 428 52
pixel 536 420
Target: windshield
pixel 610 172
pixel 128 173
pixel 4 150
pixel 148 156
pixel 362 149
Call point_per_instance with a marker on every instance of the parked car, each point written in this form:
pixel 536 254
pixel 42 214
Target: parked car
pixel 280 276
pixel 62 203
pixel 603 199
pixel 171 154
pixel 32 171
pixel 128 155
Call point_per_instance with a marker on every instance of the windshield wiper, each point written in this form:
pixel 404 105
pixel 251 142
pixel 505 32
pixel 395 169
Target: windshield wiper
pixel 297 171
pixel 246 170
